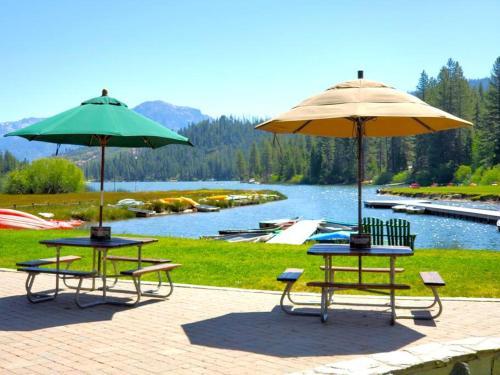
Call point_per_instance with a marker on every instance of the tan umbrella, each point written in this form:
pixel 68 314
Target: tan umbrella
pixel 362 108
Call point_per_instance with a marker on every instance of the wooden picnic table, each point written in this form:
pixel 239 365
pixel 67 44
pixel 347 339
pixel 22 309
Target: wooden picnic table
pixel 328 251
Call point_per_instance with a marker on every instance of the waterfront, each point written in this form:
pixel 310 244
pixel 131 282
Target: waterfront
pixel 308 202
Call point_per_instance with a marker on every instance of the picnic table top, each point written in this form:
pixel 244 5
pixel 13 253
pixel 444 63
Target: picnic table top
pixel 114 242
pixel 345 249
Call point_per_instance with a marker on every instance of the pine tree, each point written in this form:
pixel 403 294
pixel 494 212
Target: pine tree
pixel 492 116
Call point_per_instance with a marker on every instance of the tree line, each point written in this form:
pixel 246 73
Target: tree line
pixel 230 148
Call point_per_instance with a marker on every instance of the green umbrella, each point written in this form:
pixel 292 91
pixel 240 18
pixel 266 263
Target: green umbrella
pixel 101 121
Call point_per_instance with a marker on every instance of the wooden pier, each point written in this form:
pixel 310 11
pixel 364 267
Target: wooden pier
pixel 475 214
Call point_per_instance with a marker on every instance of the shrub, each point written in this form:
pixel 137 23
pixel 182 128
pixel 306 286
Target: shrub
pixel 491 176
pixel 384 178
pixel 477 175
pixel 423 178
pixel 46 176
pixel 463 174
pixel 403 176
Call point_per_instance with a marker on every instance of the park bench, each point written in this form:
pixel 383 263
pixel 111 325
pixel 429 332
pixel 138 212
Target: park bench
pixel 35 271
pixel 290 277
pixel 137 273
pixel 433 280
pixel 115 259
pixel 68 259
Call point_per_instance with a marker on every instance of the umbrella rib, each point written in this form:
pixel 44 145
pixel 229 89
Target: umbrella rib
pixel 146 141
pixel 424 124
pixel 301 127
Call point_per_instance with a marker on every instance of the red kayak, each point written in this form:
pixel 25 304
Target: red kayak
pixel 12 219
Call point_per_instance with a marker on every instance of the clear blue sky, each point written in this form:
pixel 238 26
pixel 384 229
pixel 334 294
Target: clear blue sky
pixel 257 57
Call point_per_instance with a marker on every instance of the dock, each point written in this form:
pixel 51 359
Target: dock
pixel 466 213
pixel 296 234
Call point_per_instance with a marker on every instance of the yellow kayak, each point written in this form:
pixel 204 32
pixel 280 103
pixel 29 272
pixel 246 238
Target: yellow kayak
pixel 189 201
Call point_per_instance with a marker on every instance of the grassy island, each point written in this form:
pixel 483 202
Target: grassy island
pixel 473 193
pixel 468 273
pixel 85 206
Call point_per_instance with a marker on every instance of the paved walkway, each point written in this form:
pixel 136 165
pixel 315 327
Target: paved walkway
pixel 209 331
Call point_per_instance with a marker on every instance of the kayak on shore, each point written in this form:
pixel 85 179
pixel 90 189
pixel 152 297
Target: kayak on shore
pixel 13 219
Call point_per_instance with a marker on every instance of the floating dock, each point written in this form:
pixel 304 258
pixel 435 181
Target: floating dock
pixel 476 214
pixel 296 234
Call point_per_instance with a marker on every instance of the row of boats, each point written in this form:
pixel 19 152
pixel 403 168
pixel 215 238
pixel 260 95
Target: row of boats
pixel 289 231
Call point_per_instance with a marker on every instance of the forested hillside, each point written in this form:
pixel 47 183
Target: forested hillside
pixel 229 148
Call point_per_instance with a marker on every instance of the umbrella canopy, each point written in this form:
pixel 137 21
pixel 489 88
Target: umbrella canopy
pixel 98 118
pixel 101 121
pixel 359 108
pixel 386 111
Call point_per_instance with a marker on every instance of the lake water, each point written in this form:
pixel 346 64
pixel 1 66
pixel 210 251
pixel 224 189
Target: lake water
pixel 308 202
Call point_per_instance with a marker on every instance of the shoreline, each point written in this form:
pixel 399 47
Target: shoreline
pixel 444 196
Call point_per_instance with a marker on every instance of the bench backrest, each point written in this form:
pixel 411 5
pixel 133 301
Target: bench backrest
pixel 398 233
pixel 375 227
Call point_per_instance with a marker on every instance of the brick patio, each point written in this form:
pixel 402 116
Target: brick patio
pixel 209 331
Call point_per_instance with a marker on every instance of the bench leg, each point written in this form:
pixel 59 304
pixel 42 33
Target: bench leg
pixel 437 301
pixel 290 310
pixel 64 277
pixel 156 292
pixel 38 297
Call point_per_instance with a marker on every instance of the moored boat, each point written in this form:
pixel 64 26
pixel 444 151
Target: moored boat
pixel 206 208
pixel 278 223
pixel 415 210
pixel 399 208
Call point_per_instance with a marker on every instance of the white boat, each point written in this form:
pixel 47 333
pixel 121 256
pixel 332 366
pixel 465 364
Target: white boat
pixel 415 210
pixel 399 208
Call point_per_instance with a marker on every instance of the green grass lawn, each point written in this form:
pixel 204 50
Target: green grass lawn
pixel 466 192
pixel 468 273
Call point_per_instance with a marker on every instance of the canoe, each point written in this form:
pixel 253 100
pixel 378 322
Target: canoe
pixel 277 223
pixel 188 201
pixel 248 237
pixel 141 212
pixel 255 231
pixel 340 235
pixel 206 208
pixel 218 197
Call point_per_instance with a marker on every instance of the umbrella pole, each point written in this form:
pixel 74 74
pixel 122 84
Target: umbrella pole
pixel 359 129
pixel 103 146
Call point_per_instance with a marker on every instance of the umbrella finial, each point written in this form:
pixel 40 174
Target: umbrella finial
pixel 360 74
pixel 104 92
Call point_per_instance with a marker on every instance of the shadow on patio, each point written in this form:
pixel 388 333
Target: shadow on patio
pixel 20 315
pixel 273 333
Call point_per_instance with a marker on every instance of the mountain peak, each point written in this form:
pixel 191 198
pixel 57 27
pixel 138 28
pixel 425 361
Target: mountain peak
pixel 172 116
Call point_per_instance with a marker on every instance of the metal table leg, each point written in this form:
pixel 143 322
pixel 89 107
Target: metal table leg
pixel 392 293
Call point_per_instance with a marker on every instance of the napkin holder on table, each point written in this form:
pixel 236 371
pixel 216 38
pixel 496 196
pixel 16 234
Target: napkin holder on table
pixel 360 241
pixel 100 233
